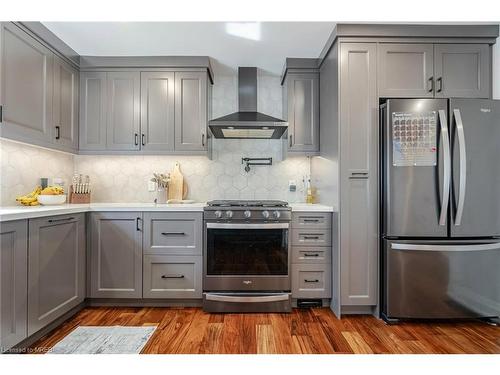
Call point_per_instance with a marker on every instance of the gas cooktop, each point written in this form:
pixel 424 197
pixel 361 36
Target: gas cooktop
pixel 247 203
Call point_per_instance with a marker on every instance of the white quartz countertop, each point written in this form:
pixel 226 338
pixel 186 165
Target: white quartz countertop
pixel 9 213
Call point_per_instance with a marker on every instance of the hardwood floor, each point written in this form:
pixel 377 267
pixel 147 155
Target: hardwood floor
pixel 318 331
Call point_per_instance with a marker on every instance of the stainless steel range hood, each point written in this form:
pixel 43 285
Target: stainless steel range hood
pixel 247 123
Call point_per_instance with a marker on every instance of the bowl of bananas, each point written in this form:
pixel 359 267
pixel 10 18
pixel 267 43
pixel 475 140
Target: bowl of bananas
pixel 51 195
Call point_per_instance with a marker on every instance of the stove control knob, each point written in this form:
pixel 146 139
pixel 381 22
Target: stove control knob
pixel 247 214
pixel 265 214
pixel 229 214
pixel 276 215
pixel 218 214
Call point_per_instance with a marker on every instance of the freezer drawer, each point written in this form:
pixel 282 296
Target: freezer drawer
pixel 446 279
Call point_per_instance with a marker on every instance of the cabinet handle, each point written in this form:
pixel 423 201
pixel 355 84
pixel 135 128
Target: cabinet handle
pixel 311 255
pixel 172 276
pixel 311 237
pixel 311 281
pixel 137 222
pixel 291 143
pixel 431 81
pixel 58 220
pixel 173 233
pixel 1 113
pixel 311 220
pixel 58 132
pixel 203 139
pixel 136 142
pixel 143 140
pixel 440 84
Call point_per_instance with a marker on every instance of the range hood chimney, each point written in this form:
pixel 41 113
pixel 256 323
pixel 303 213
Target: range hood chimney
pixel 247 123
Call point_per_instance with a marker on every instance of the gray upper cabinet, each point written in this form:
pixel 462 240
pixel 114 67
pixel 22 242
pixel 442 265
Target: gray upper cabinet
pixel 405 70
pixel 56 268
pixel 13 283
pixel 358 174
pixel 191 111
pixel 123 101
pixel 26 87
pixel 462 70
pixel 116 255
pixel 65 105
pixel 93 100
pixel 157 111
pixel 302 106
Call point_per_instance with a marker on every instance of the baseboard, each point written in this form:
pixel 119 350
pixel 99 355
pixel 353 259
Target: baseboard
pixel 131 302
pixel 358 310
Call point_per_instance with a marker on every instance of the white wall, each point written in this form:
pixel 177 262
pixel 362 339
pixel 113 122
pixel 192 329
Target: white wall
pixel 496 70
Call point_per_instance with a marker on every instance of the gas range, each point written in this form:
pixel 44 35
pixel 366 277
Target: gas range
pixel 248 210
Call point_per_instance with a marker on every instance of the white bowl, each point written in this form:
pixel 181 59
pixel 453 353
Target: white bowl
pixel 48 200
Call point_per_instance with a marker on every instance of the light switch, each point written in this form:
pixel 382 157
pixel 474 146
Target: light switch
pixel 292 185
pixel 151 186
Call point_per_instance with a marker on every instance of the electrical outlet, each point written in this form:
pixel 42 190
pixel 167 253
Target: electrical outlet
pixel 292 185
pixel 151 186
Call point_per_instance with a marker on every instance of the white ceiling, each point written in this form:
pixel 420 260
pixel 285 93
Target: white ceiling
pixel 261 44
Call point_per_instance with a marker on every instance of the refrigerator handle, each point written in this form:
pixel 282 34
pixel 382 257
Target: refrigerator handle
pixel 454 248
pixel 445 140
pixel 463 166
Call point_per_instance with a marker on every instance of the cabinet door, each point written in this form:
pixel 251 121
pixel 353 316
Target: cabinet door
pixel 157 111
pixel 303 112
pixel 56 268
pixel 405 70
pixel 358 174
pixel 116 255
pixel 65 106
pixel 190 111
pixel 13 283
pixel 93 107
pixel 123 94
pixel 462 70
pixel 26 87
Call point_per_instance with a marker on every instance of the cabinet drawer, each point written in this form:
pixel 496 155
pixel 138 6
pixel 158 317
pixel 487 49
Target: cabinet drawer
pixel 314 254
pixel 172 276
pixel 311 237
pixel 312 220
pixel 177 233
pixel 311 281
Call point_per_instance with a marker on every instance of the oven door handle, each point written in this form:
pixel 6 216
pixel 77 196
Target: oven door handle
pixel 245 299
pixel 248 226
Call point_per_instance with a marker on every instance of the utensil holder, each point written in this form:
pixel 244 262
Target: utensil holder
pixel 78 198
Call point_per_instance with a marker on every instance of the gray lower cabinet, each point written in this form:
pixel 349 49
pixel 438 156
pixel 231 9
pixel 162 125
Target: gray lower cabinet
pixel 173 233
pixel 311 255
pixel 123 111
pixel 405 70
pixel 65 105
pixel 116 255
pixel 13 283
pixel 56 268
pixel 302 111
pixel 93 110
pixel 191 111
pixel 26 86
pixel 462 70
pixel 172 276
pixel 157 111
pixel 358 174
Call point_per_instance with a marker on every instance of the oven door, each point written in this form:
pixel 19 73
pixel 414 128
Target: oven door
pixel 247 257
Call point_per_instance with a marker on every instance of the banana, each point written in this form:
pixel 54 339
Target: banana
pixel 52 190
pixel 31 196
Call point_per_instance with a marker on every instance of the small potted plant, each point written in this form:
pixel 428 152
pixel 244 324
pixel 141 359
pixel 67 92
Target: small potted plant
pixel 161 180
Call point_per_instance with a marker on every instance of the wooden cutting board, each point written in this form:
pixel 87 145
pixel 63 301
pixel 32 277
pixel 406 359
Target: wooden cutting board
pixel 176 184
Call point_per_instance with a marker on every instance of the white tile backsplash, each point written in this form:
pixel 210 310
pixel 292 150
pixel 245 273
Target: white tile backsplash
pixel 22 166
pixel 124 178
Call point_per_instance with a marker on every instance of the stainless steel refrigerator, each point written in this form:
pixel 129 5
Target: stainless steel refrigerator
pixel 440 208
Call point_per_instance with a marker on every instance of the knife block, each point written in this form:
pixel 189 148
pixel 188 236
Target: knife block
pixel 78 198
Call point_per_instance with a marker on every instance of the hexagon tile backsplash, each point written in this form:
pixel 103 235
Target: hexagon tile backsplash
pixel 124 178
pixel 23 165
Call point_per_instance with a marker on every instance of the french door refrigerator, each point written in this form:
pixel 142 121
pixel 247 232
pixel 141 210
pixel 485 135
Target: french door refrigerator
pixel 440 208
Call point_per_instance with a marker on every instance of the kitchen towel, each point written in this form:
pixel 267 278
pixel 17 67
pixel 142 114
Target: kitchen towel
pixel 104 340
